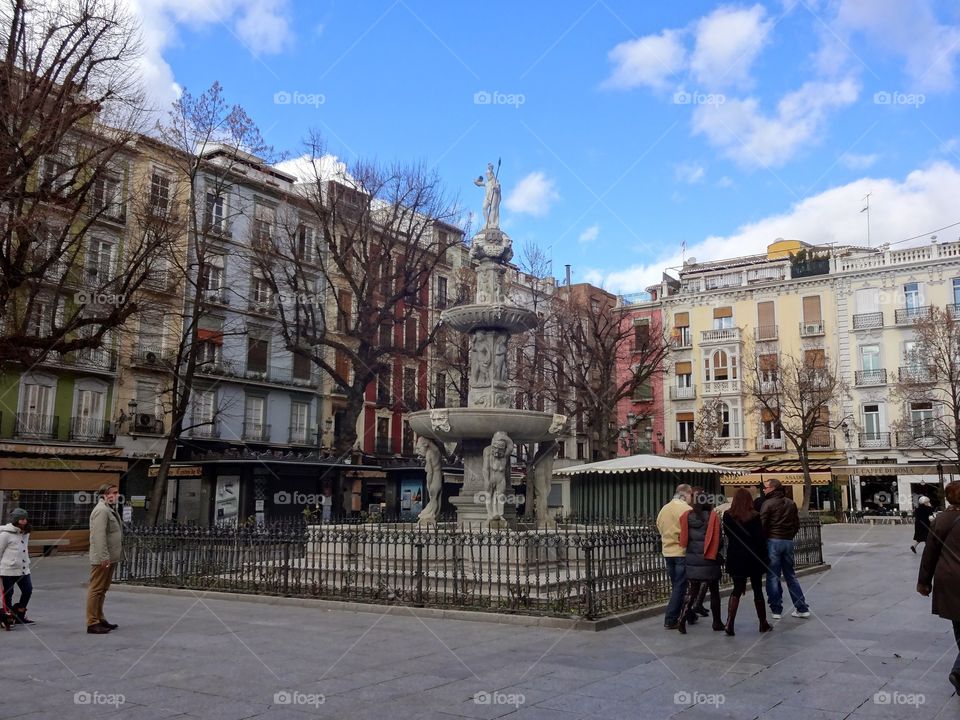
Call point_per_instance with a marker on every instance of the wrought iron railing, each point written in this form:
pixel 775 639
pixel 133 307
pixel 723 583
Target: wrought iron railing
pixel 587 570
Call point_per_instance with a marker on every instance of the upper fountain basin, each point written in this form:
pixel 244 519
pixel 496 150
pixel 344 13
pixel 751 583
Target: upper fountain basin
pixel 495 317
pixel 475 423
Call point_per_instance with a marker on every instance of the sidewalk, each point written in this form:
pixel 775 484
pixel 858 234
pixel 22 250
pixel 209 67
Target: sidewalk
pixel 871 650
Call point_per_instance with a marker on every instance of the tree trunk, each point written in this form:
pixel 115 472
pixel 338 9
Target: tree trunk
pixel 158 494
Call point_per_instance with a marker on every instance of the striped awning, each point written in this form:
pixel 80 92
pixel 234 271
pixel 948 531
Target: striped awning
pixel 647 463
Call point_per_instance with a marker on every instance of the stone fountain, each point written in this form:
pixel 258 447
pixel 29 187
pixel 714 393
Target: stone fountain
pixel 489 427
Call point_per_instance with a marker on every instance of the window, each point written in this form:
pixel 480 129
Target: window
pixel 215 212
pixel 208 352
pixel 40 318
pixel 561 450
pixel 151 330
pixel 212 276
pixel 263 219
pixel 684 380
pixel 871 421
pixel 441 294
pixel 410 334
pixel 386 334
pixel 160 191
pixel 88 414
pixel 870 357
pixel 811 310
pixel 262 293
pixel 766 320
pixel 722 318
pixel 581 450
pixel 302 367
pixel 106 196
pixel 641 334
pixel 383 385
pixel 258 350
pixel 921 418
pixel 685 428
pixel 56 171
pixel 956 291
pixel 440 390
pixel 409 387
pixel 769 426
pixel 148 399
pixel 767 365
pixel 306 243
pixel 912 296
pixel 729 418
pixel 345 305
pixel 299 422
pixel 36 408
pixel 205 407
pixel 911 355
pixel 720 366
pixel 383 435
pixel 254 414
pixel 99 261
pixel 643 392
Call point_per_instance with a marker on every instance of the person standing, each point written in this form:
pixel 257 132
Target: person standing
pixel 700 535
pixel 106 550
pixel 15 565
pixel 746 557
pixel 940 570
pixel 781 523
pixel 668 525
pixel 921 522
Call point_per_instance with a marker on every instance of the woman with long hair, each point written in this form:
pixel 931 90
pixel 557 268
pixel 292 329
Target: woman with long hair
pixel 746 557
pixel 700 535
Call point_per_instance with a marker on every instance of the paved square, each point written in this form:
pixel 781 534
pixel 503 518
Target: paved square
pixel 871 650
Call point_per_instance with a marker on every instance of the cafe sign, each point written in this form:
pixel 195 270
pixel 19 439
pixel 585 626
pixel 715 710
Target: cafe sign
pixel 177 471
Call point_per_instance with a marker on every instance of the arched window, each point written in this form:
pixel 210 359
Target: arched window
pixel 721 365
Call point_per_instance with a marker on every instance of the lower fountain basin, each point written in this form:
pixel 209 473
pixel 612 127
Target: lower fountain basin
pixel 453 424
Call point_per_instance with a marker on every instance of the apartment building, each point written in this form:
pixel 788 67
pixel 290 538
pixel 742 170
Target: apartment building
pixel 641 418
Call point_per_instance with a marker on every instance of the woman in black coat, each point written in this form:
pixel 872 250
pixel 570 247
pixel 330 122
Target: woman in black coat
pixel 921 522
pixel 746 557
pixel 700 534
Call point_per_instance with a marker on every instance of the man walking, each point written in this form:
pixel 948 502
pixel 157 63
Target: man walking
pixel 674 554
pixel 781 522
pixel 106 550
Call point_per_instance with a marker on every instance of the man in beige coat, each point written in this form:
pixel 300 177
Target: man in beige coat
pixel 106 550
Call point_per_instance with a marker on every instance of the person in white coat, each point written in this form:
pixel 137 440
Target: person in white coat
pixel 15 564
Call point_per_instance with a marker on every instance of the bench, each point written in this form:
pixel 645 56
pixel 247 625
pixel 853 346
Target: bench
pixel 884 519
pixel 49 546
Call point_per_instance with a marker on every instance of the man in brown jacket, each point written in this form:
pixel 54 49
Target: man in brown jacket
pixel 781 522
pixel 106 550
pixel 940 568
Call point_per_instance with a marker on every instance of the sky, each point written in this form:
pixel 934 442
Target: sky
pixel 632 135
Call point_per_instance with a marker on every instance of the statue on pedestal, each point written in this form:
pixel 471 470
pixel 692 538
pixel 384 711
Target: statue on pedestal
pixel 542 475
pixel 496 471
pixel 491 198
pixel 431 454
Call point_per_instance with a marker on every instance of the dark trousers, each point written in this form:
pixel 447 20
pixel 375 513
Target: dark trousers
pixel 26 590
pixel 677 572
pixel 756 584
pixel 956 635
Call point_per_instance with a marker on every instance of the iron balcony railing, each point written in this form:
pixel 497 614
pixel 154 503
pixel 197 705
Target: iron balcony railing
pixel 683 393
pixel 33 425
pixel 922 436
pixel 91 430
pixel 954 311
pixel 151 356
pixel 864 378
pixel 917 374
pixel 205 428
pixel 383 446
pixel 874 440
pixel 585 569
pixel 303 436
pixel 256 432
pixel 768 444
pixel 908 316
pixel 866 321
pixel 820 439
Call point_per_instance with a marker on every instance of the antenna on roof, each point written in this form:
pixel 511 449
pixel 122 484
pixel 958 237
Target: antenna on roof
pixel 866 209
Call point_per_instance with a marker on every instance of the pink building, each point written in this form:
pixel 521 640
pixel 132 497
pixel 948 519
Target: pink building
pixel 640 417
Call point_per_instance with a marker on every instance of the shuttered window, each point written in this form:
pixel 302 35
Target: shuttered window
pixel 681 320
pixel 811 310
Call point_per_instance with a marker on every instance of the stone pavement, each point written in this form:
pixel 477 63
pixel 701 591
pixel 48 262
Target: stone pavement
pixel 871 650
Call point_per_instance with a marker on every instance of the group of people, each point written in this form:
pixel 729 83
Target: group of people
pixel 106 550
pixel 754 539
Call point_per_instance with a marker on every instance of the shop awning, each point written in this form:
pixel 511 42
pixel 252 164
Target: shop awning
pixel 646 463
pixel 895 469
pixel 785 478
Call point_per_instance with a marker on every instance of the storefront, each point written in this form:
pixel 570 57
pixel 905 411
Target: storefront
pixel 894 487
pixel 826 492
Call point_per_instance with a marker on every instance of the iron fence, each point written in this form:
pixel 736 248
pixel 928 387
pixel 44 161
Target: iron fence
pixel 576 570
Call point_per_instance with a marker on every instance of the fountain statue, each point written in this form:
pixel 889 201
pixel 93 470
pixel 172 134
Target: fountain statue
pixel 489 427
pixel 428 450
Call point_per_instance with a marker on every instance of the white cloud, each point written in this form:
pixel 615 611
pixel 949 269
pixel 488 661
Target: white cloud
pixel 689 172
pixel 741 130
pixel 592 276
pixel 589 234
pixel 327 167
pixel 533 195
pixel 725 182
pixel 855 161
pixel 728 40
pixel 651 60
pixel 924 200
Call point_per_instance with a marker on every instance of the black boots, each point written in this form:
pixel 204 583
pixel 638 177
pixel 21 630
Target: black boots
pixel 762 615
pixel 715 610
pixel 732 614
pixel 20 615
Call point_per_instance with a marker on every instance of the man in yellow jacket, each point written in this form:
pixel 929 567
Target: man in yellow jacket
pixel 106 550
pixel 674 554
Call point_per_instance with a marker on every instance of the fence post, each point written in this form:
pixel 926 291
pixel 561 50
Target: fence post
pixel 591 582
pixel 419 598
pixel 286 566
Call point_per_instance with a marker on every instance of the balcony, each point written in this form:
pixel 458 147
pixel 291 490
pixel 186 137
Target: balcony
pixel 867 378
pixel 719 282
pixel 159 281
pixel 262 307
pixel 767 274
pixel 820 439
pixel 255 432
pixel 720 335
pixel 917 374
pixel 908 316
pixel 771 444
pixel 874 440
pixel 303 436
pixel 151 356
pixel 953 311
pixel 216 296
pixel 722 387
pixel 679 446
pixel 36 427
pixel 258 373
pixel 921 436
pixel 146 424
pixel 868 321
pixel 765 333
pixel 96 430
pixel 383 446
pixel 683 393
pixel 682 339
pixel 209 429
pixel 729 445
pixel 812 329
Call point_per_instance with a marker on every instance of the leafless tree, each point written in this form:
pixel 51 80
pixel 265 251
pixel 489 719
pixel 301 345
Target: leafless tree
pixel 802 397
pixel 381 230
pixel 707 434
pixel 207 140
pixel 69 273
pixel 928 386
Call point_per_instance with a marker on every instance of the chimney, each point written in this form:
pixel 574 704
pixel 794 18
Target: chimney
pixel 567 274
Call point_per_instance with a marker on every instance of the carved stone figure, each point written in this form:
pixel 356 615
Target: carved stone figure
pixel 558 424
pixel 542 475
pixel 480 359
pixel 431 454
pixel 491 197
pixel 500 358
pixel 440 420
pixel 496 471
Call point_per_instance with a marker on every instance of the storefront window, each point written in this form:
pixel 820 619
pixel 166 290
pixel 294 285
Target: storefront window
pixel 51 509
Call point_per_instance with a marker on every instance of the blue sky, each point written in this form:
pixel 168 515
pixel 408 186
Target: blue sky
pixel 626 128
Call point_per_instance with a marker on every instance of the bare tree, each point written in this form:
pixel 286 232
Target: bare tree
pixel 706 437
pixel 928 386
pixel 605 359
pixel 380 232
pixel 72 109
pixel 207 141
pixel 801 398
